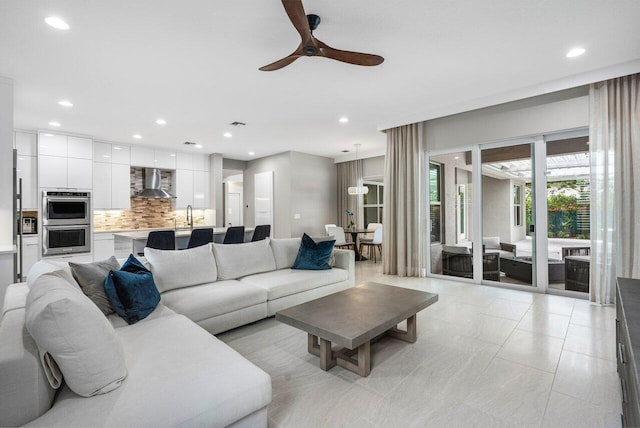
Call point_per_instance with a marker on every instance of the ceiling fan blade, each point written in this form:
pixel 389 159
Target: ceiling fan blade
pixel 298 18
pixel 356 58
pixel 281 62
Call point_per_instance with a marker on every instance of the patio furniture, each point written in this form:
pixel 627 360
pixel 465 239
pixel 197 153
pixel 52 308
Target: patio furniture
pixel 576 273
pixel 575 251
pixel 456 263
pixel 234 235
pixel 341 240
pixel 200 237
pixel 520 268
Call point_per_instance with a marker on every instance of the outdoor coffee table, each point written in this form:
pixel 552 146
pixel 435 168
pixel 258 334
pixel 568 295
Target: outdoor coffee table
pixel 354 318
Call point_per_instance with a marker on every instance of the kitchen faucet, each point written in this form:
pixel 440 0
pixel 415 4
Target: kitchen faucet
pixel 190 216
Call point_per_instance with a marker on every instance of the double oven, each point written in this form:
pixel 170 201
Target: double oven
pixel 66 223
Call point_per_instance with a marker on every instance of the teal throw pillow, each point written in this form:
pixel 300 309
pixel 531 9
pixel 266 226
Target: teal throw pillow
pixel 132 291
pixel 313 255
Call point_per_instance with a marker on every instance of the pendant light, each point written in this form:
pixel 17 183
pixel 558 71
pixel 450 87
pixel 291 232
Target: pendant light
pixel 357 190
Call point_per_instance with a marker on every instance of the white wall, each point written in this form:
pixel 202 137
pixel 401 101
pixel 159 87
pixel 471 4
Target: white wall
pixel 303 184
pixel 6 184
pixel 558 111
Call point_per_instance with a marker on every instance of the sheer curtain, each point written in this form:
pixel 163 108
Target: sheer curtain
pixel 614 135
pixel 349 174
pixel 403 211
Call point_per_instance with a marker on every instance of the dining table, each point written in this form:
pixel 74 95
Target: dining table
pixel 354 238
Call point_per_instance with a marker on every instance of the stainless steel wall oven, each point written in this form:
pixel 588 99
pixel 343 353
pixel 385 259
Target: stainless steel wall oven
pixel 66 222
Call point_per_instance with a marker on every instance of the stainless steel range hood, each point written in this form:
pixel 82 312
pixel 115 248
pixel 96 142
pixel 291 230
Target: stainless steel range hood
pixel 153 185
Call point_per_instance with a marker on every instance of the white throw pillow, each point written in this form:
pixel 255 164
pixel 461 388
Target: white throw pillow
pixel 491 243
pixel 238 260
pixel 70 330
pixel 181 268
pixel 454 249
pixel 285 251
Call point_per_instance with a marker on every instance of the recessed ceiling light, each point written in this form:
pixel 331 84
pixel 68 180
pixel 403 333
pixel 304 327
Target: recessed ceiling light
pixel 161 122
pixel 198 146
pixel 227 135
pixel 65 103
pixel 137 136
pixel 575 52
pixel 343 119
pixel 54 123
pixel 56 22
pixel 252 153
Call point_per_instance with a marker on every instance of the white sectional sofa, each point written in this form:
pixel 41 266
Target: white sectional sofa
pixel 178 374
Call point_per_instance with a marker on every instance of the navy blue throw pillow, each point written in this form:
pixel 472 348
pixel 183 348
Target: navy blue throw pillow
pixel 313 255
pixel 132 291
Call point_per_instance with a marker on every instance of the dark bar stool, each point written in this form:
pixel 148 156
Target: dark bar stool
pixel 261 232
pixel 234 235
pixel 162 240
pixel 200 237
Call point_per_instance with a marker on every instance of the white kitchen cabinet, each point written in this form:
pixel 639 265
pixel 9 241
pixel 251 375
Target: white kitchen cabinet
pixel 79 147
pixel 101 186
pixel 79 173
pixel 200 189
pixel 142 156
pixel 26 143
pixel 27 170
pixel 52 171
pixel 102 152
pixel 165 159
pixel 30 253
pixel 120 186
pixel 103 246
pixel 184 160
pixel 184 188
pixel 121 153
pixel 200 162
pixel 52 144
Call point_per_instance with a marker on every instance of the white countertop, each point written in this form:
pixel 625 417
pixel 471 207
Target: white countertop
pixel 7 249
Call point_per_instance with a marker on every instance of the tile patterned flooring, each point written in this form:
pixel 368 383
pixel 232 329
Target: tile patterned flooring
pixel 485 357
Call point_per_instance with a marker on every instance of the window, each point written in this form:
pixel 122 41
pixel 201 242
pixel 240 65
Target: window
pixel 373 203
pixel 517 205
pixel 435 200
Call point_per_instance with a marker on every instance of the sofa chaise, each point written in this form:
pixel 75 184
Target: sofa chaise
pixel 178 373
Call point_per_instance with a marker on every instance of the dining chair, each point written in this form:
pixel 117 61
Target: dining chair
pixel 327 226
pixel 339 236
pixel 373 243
pixel 200 237
pixel 261 232
pixel 371 227
pixel 234 235
pixel 162 240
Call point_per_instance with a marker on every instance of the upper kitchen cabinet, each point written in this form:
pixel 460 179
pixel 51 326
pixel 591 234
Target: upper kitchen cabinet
pixel 101 152
pixel 200 162
pixel 150 158
pixel 121 154
pixel 111 176
pixel 64 161
pixel 27 168
pixel 184 161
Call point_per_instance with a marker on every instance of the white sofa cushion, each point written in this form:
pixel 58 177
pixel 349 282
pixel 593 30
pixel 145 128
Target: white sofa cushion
pixel 181 268
pixel 67 325
pixel 46 266
pixel 238 260
pixel 491 242
pixel 210 300
pixel 285 282
pixel 15 297
pixel 285 251
pixel 179 375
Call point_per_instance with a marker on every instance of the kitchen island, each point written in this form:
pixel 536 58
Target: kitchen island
pixel 133 242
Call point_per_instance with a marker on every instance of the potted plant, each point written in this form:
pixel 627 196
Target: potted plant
pixel 351 225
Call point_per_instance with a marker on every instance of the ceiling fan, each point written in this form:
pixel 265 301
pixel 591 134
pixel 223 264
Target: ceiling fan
pixel 310 46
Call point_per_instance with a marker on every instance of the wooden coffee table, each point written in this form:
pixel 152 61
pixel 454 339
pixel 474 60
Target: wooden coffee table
pixel 353 318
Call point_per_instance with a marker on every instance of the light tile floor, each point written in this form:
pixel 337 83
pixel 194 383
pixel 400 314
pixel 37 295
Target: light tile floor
pixel 485 357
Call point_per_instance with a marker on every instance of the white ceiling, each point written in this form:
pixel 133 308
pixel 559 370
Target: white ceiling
pixel 195 64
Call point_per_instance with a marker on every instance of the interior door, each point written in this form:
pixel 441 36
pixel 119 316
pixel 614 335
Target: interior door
pixel 233 209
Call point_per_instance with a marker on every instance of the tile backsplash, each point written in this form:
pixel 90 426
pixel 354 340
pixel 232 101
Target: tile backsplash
pixel 145 213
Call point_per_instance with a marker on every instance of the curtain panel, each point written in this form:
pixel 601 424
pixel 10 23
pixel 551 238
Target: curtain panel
pixel 614 135
pixel 403 208
pixel 349 175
